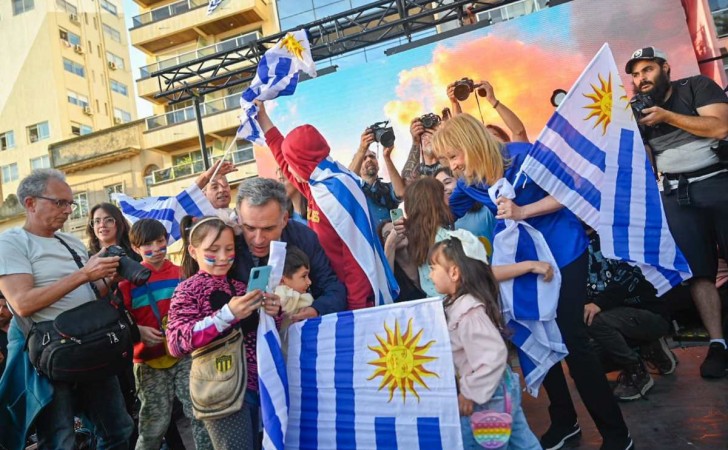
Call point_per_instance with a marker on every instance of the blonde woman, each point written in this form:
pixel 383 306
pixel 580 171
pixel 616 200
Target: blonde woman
pixel 481 160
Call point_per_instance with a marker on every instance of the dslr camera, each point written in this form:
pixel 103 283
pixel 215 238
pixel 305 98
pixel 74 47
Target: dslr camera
pixel 383 133
pixel 128 268
pixel 639 102
pixel 464 87
pixel 430 120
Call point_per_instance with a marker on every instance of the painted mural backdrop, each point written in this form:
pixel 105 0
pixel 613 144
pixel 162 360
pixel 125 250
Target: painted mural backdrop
pixel 524 59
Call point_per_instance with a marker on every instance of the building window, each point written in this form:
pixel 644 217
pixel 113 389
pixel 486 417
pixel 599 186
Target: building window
pixel 38 132
pixel 74 67
pixel 10 173
pixel 119 88
pixel 69 37
pixel 108 6
pixel 7 140
pixel 21 6
pixel 81 211
pixel 114 189
pixel 122 115
pixel 719 10
pixel 112 33
pixel 42 162
pixel 77 99
pixel 117 61
pixel 80 129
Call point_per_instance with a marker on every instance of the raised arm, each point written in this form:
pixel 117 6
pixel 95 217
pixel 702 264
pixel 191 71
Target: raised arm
pixel 367 137
pixel 454 103
pixel 510 119
pixel 394 176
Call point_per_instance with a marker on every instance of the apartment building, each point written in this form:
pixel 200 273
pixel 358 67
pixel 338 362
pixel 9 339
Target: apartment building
pixel 66 72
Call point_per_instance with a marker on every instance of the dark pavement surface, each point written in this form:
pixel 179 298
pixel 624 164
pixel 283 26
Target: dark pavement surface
pixel 682 410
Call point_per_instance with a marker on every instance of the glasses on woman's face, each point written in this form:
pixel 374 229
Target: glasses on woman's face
pixel 107 221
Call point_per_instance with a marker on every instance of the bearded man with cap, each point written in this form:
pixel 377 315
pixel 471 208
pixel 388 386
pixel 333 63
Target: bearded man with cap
pixel 683 124
pixel 360 265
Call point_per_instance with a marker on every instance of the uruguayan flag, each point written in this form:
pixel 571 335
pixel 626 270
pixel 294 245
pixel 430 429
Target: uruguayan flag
pixel 528 302
pixel 272 384
pixel 591 158
pixel 277 75
pixel 168 210
pixel 373 378
pixel 338 192
pixel 212 6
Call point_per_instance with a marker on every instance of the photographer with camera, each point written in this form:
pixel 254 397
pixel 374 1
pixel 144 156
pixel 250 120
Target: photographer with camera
pixel 45 275
pixel 683 123
pixel 460 91
pixel 381 197
pixel 422 160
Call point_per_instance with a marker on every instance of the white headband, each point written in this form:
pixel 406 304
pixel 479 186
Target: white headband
pixel 472 246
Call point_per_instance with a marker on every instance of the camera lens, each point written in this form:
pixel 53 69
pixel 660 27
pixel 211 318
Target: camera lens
pixel 385 136
pixel 461 92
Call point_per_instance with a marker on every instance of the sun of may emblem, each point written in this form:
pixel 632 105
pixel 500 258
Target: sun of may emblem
pixel 401 361
pixel 293 46
pixel 601 109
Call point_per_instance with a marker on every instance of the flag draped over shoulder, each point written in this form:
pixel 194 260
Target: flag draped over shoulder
pixel 373 378
pixel 168 210
pixel 276 75
pixel 591 158
pixel 338 192
pixel 528 302
pixel 272 384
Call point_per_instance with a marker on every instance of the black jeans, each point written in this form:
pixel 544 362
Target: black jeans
pixel 617 330
pixel 584 365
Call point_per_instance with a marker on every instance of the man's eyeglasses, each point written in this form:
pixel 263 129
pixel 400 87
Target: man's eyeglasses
pixel 60 203
pixel 108 221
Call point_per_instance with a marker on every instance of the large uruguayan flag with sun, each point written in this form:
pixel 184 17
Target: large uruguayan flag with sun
pixel 373 378
pixel 591 158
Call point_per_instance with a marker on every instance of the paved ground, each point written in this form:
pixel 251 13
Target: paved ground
pixel 682 411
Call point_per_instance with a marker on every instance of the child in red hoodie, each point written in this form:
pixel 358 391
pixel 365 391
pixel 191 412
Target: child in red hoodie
pixel 298 155
pixel 159 376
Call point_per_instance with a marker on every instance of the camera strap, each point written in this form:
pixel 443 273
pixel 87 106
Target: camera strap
pixel 79 263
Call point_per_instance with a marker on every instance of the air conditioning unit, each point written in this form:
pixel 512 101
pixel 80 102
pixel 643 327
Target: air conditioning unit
pixel 78 49
pixel 117 120
pixel 87 110
pixel 74 18
pixel 112 65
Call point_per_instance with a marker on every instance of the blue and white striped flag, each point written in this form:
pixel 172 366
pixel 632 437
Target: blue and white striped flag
pixel 338 192
pixel 168 210
pixel 373 378
pixel 272 384
pixel 212 6
pixel 276 75
pixel 591 158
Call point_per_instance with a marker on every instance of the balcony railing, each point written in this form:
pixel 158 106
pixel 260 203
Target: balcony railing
pixel 188 113
pixel 512 10
pixel 165 12
pixel 240 156
pixel 193 55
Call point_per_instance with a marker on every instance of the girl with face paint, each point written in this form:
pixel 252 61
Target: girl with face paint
pixel 209 304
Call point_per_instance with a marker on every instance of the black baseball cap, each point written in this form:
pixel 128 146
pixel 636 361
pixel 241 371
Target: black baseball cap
pixel 646 53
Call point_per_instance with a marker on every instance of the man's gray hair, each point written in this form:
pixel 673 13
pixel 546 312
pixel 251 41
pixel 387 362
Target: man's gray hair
pixel 34 185
pixel 259 191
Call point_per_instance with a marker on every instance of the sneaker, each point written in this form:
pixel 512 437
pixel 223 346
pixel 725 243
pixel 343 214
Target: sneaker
pixel 633 383
pixel 557 436
pixel 622 445
pixel 658 356
pixel 714 365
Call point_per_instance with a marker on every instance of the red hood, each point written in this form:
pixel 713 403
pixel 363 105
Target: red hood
pixel 304 148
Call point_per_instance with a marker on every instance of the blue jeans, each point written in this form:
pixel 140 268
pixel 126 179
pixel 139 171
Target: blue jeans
pixel 100 401
pixel 522 438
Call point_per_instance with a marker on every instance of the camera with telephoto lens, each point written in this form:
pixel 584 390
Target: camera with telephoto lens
pixel 639 102
pixel 430 120
pixel 464 87
pixel 128 268
pixel 383 134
